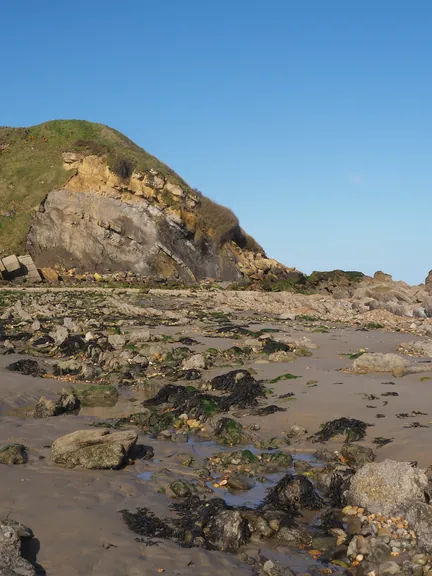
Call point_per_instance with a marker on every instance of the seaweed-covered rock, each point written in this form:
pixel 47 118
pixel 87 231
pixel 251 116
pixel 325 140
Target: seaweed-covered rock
pixel 272 346
pixel 230 381
pixel 181 488
pixel 230 432
pixel 94 449
pixel 356 456
pixel 354 429
pixel 145 523
pixel 11 561
pixel 335 481
pixel 387 487
pixel 191 374
pixel 13 454
pixel 26 367
pixel 73 345
pixel 186 400
pixel 294 493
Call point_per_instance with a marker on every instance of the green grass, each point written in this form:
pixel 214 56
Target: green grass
pixel 374 326
pixel 31 166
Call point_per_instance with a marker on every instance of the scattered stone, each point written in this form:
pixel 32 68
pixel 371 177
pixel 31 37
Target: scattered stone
pixel 46 408
pixel 13 454
pixel 195 362
pixel 181 488
pixel 230 432
pixel 356 456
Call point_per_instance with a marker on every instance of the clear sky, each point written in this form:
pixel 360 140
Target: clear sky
pixel 311 119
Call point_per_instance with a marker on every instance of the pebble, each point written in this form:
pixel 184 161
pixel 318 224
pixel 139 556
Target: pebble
pixel 359 557
pixel 420 559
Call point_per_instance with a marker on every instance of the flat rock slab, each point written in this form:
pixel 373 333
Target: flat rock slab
pixel 30 268
pixel 11 264
pixel 94 449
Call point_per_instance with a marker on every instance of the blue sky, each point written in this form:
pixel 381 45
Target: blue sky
pixel 312 120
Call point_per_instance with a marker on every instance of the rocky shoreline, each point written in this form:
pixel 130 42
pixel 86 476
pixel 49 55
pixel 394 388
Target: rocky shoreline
pixel 191 431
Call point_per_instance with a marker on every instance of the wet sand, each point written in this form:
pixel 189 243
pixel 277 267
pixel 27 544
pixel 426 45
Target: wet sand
pixel 75 513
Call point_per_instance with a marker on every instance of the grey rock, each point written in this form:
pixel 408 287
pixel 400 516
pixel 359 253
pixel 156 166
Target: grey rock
pixel 387 487
pixel 271 568
pixel 380 553
pixel 227 530
pixel 419 516
pixel 11 561
pixel 377 362
pixel 46 408
pixel 94 449
pixel 196 362
pixel 117 340
pixel 59 333
pixel 389 568
pixel 240 482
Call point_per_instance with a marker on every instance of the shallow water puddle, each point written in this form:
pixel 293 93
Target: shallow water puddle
pixel 251 498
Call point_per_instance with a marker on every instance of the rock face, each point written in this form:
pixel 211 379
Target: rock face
pixel 387 488
pixel 89 231
pixel 11 561
pixel 94 449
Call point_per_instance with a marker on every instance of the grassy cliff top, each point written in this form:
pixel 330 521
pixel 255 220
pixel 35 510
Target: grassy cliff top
pixel 31 166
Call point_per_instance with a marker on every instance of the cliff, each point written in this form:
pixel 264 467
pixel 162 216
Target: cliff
pixel 81 195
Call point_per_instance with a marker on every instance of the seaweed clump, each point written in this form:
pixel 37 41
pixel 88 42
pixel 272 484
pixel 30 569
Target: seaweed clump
pixel 244 393
pixel 354 429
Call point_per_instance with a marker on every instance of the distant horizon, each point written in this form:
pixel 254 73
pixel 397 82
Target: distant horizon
pixel 311 122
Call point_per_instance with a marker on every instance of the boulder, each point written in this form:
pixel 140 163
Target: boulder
pixel 387 487
pixel 377 362
pixel 94 449
pixel 11 561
